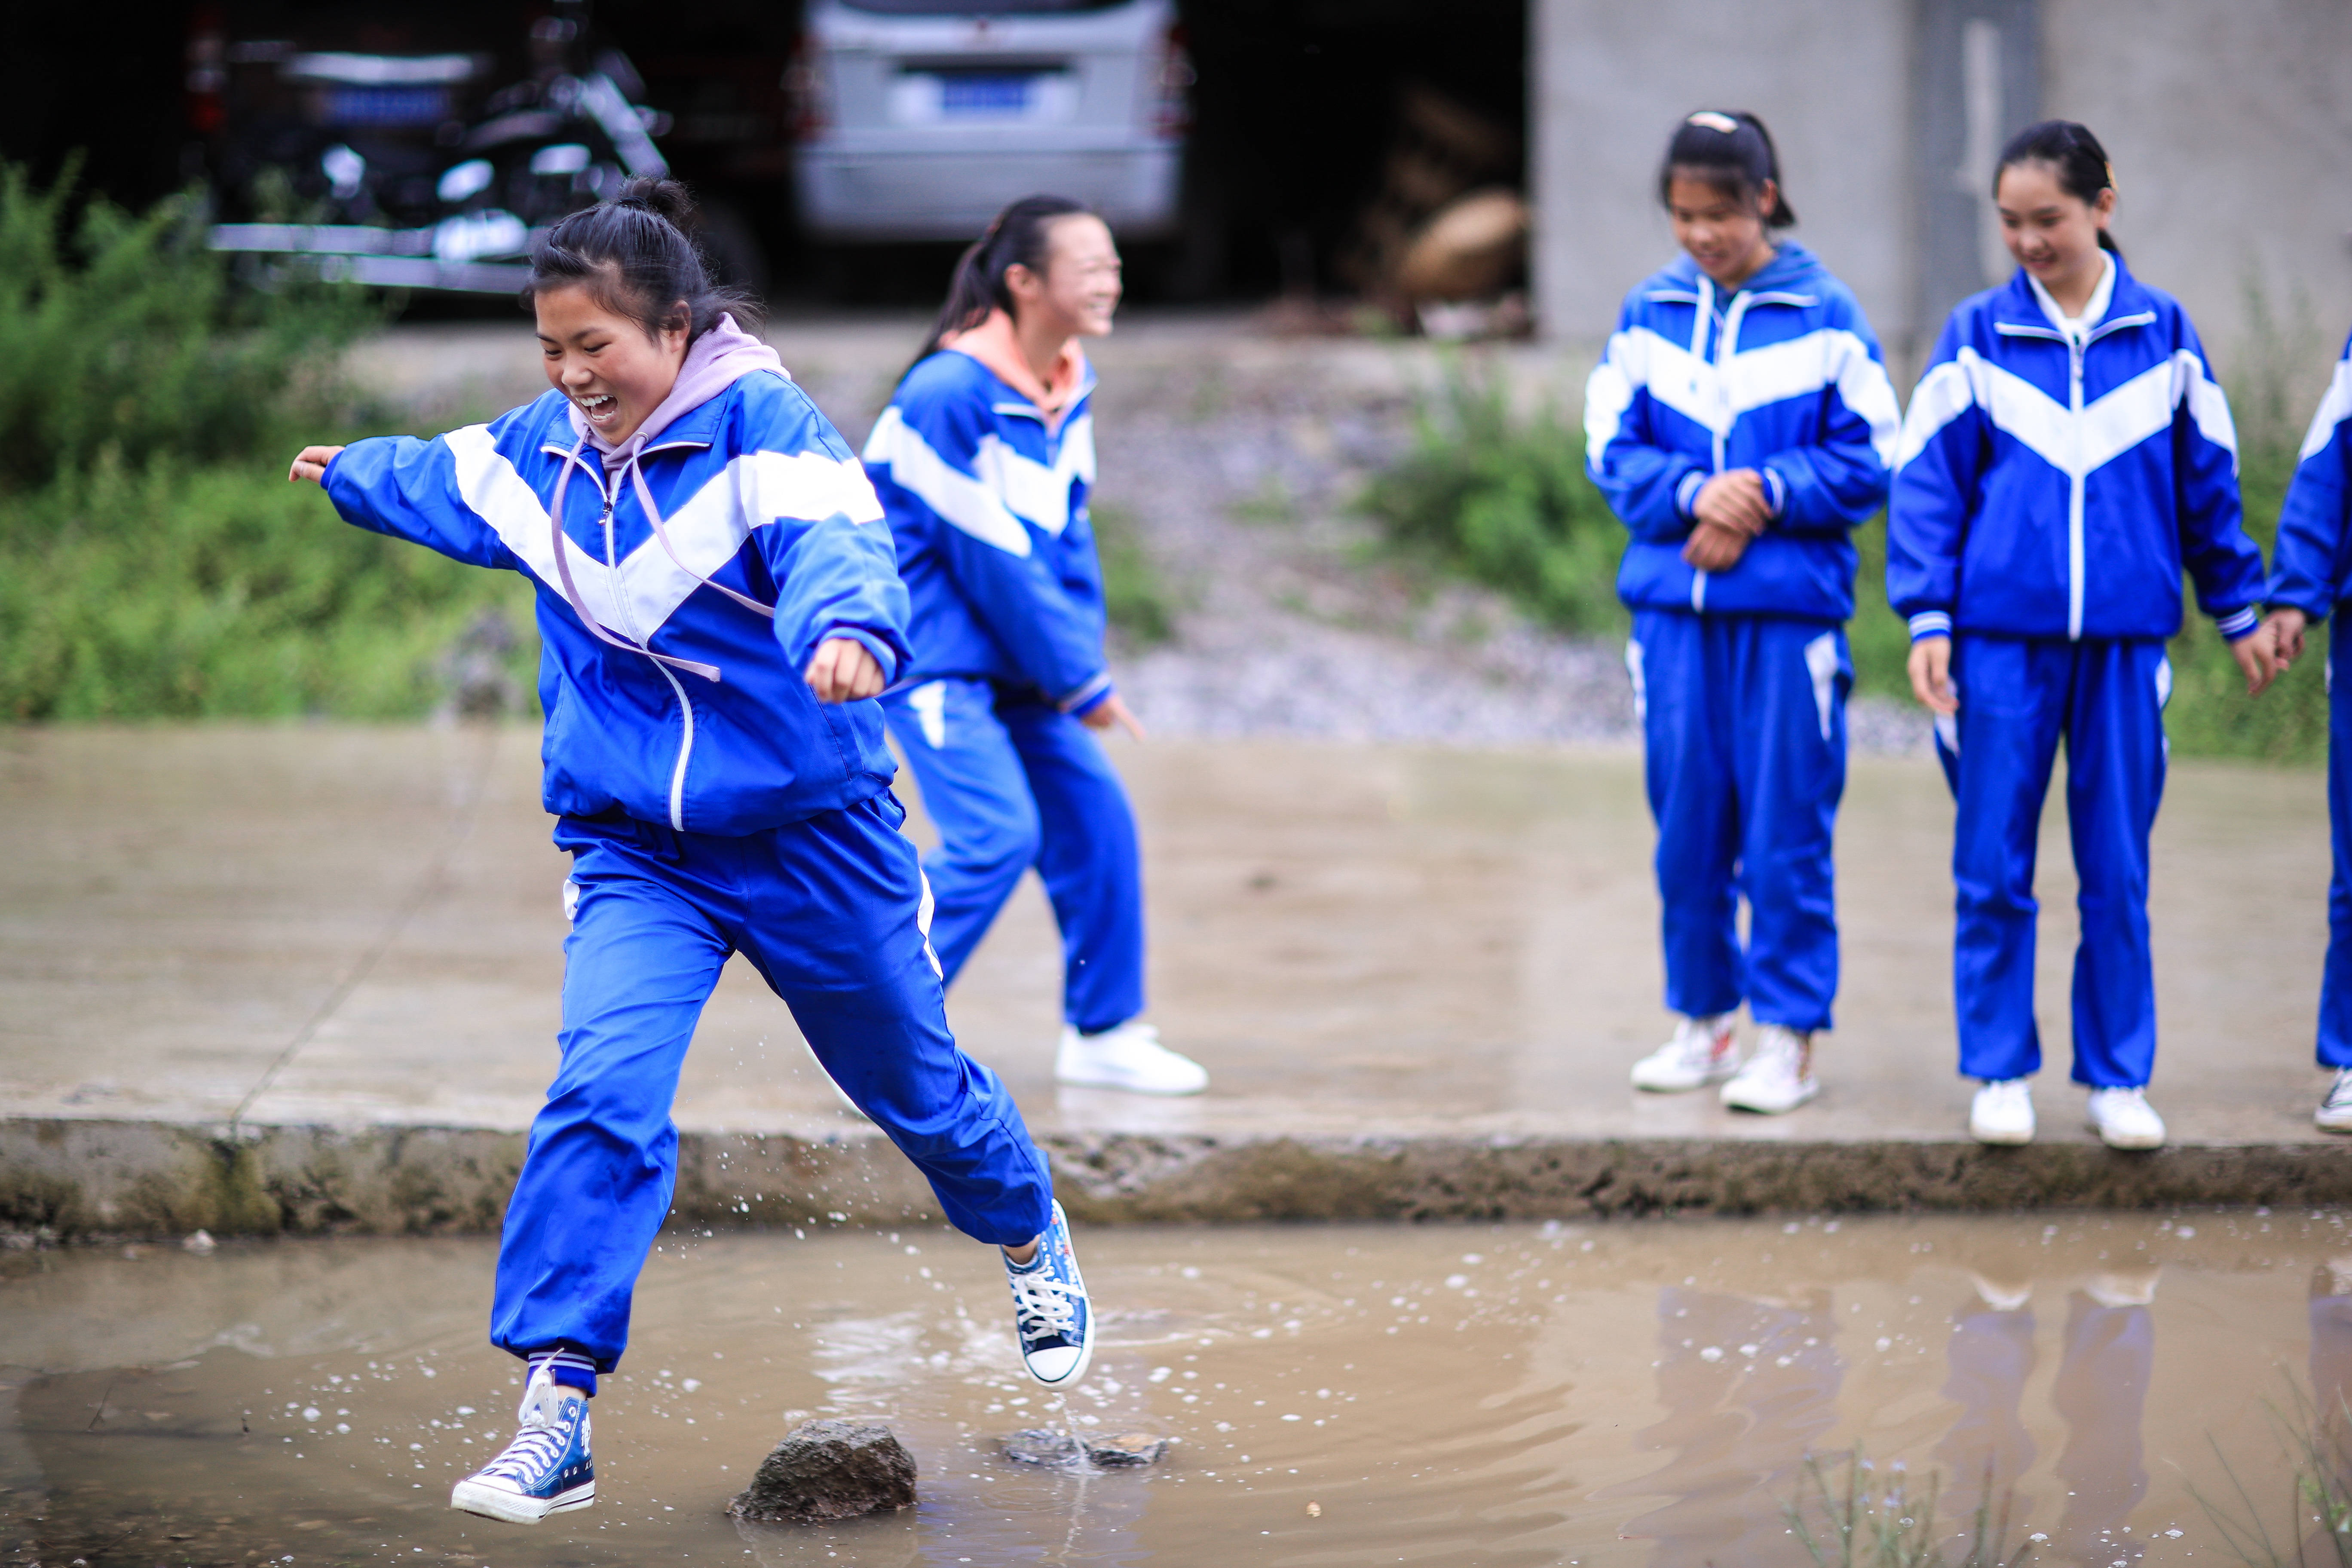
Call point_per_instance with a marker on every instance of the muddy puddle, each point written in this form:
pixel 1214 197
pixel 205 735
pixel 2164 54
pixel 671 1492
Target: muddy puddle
pixel 1626 1392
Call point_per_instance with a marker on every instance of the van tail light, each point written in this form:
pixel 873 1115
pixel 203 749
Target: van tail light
pixel 808 99
pixel 207 79
pixel 1171 112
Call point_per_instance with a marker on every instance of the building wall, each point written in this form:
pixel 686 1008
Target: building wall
pixel 2230 124
pixel 2231 129
pixel 1610 81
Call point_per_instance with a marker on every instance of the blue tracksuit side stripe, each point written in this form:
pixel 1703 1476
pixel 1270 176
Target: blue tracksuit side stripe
pixel 2312 564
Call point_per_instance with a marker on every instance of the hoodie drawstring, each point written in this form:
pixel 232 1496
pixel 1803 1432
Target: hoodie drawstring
pixel 652 514
pixel 571 591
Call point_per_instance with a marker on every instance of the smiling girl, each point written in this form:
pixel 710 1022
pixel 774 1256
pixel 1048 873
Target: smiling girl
pixel 719 606
pixel 985 461
pixel 2066 454
pixel 1739 424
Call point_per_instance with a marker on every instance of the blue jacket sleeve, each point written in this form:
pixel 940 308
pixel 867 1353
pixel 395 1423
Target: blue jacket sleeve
pixel 1939 461
pixel 2223 563
pixel 408 489
pixel 1834 484
pixel 1644 481
pixel 929 455
pixel 821 534
pixel 2308 568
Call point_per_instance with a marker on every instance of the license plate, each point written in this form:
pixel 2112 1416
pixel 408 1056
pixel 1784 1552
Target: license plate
pixel 975 97
pixel 387 105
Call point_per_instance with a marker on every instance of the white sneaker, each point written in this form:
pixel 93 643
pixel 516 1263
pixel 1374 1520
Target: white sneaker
pixel 2334 1113
pixel 2002 1112
pixel 1129 1057
pixel 2125 1120
pixel 1702 1052
pixel 1779 1078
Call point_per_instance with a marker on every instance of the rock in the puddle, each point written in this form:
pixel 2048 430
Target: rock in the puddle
pixel 1058 1451
pixel 827 1470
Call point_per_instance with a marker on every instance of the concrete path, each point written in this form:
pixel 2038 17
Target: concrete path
pixel 257 977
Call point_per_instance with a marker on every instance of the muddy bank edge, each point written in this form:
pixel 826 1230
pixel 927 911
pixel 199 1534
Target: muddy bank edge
pixel 64 1179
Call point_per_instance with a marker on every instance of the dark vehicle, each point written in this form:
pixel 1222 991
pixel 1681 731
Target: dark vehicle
pixel 432 166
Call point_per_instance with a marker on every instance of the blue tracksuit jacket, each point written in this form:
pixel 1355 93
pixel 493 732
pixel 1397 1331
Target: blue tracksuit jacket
pixel 698 724
pixel 2046 489
pixel 989 512
pixel 2310 571
pixel 2051 484
pixel 1784 377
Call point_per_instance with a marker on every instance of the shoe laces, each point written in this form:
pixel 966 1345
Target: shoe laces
pixel 536 1447
pixel 1043 1304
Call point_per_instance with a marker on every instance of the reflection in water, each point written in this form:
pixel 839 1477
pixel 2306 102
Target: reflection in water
pixel 2101 1393
pixel 1988 1359
pixel 2331 1388
pixel 1749 1388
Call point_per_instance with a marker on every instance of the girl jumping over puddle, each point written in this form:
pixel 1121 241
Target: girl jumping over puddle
pixel 2066 454
pixel 983 460
pixel 1740 423
pixel 2310 573
pixel 719 607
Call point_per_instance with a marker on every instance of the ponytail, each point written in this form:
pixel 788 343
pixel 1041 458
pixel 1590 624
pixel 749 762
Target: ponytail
pixel 2075 159
pixel 1731 151
pixel 1020 236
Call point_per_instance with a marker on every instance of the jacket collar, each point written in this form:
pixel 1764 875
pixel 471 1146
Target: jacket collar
pixel 2018 310
pixel 1791 274
pixel 994 345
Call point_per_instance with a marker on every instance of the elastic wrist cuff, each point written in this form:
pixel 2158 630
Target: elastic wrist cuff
pixel 1087 698
pixel 1930 624
pixel 1686 492
pixel 2239 625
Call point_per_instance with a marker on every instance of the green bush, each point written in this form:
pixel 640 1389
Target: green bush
pixel 1504 501
pixel 126 336
pixel 169 591
pixel 1133 599
pixel 153 560
pixel 1502 498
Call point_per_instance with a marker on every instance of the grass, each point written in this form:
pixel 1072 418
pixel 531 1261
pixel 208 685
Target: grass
pixel 2318 1477
pixel 1874 1520
pixel 1500 497
pixel 153 560
pixel 1140 613
pixel 170 590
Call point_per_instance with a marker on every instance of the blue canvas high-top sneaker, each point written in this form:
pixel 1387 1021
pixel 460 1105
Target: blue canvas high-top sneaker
pixel 1051 1314
pixel 546 1470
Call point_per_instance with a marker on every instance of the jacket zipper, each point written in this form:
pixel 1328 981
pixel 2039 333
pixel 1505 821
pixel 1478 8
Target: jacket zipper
pixel 2077 483
pixel 629 625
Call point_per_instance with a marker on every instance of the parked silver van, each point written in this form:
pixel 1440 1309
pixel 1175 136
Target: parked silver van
pixel 921 119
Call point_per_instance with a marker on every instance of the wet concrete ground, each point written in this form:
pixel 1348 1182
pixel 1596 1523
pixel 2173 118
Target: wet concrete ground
pixel 321 933
pixel 1490 1394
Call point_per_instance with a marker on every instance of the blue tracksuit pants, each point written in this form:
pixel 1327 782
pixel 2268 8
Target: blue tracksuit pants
pixel 2018 697
pixel 1743 723
pixel 2336 987
pixel 830 911
pixel 1011 783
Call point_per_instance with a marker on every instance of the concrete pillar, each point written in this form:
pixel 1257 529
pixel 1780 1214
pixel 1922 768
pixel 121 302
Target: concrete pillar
pixel 1608 81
